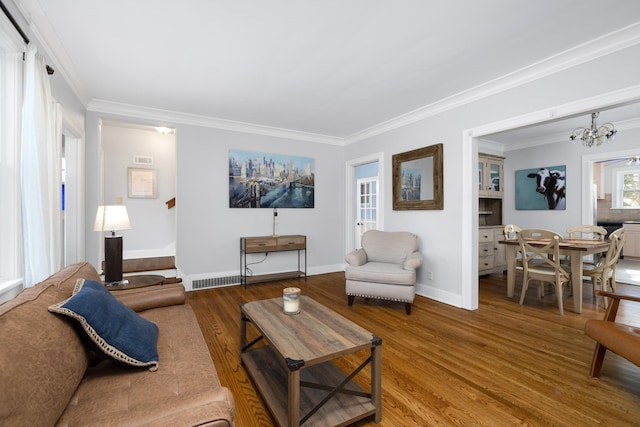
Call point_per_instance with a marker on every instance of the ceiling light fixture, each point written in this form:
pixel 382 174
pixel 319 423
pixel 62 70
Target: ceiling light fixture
pixel 165 130
pixel 634 161
pixel 595 135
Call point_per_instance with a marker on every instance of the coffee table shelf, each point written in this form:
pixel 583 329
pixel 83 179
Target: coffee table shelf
pixel 269 375
pixel 291 364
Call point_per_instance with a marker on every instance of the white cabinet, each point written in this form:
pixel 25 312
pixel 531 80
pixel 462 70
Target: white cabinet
pixel 491 254
pixel 631 247
pixel 490 175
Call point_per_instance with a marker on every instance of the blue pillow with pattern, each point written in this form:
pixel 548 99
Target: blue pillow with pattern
pixel 109 327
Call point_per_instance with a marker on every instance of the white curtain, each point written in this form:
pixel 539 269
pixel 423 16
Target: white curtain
pixel 41 178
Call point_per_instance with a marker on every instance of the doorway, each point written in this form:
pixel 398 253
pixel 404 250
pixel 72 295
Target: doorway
pixel 366 200
pixel 134 150
pixel 365 197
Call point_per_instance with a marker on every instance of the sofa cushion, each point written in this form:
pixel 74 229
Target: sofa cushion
pixel 185 391
pixel 387 246
pixel 42 359
pixel 109 327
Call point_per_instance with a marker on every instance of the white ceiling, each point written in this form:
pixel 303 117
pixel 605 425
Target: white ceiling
pixel 328 67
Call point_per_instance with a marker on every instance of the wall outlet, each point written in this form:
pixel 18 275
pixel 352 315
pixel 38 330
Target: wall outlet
pixel 430 275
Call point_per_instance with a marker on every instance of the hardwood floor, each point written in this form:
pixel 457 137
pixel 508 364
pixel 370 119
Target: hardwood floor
pixel 501 365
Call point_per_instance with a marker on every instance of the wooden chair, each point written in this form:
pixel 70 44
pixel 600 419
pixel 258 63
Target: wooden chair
pixel 622 339
pixel 588 232
pixel 510 232
pixel 619 232
pixel 603 274
pixel 542 262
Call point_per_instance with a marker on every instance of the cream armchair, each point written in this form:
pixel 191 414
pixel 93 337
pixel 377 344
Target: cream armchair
pixel 384 268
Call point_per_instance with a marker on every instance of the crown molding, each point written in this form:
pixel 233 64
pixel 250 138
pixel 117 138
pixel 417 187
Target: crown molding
pixel 589 51
pixel 165 116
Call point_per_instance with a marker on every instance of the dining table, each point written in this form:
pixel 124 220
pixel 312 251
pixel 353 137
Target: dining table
pixel 575 249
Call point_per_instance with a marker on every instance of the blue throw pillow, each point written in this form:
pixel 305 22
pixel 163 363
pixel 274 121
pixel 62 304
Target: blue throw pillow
pixel 109 326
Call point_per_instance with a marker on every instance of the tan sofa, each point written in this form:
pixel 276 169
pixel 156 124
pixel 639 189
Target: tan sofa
pixel 48 377
pixel 384 267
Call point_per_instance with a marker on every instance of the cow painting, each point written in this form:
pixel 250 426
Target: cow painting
pixel 541 188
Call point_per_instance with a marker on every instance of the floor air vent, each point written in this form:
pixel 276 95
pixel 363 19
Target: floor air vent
pixel 214 282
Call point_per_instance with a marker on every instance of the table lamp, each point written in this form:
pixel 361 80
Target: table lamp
pixel 112 218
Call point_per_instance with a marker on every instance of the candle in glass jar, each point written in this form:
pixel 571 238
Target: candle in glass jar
pixel 291 300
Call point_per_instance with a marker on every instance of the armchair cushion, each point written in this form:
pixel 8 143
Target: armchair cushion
pixel 386 246
pixel 381 272
pixel 356 258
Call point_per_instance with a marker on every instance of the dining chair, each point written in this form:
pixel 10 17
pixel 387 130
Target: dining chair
pixel 509 232
pixel 588 232
pixel 603 274
pixel 541 261
pixel 619 232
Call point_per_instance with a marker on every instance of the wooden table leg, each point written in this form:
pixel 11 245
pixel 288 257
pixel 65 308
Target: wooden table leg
pixel 243 332
pixel 294 398
pixel 376 380
pixel 576 280
pixel 511 269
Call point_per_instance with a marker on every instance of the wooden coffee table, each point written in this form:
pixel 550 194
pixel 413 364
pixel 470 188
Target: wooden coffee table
pixel 291 364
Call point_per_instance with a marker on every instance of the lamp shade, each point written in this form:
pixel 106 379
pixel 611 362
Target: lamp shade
pixel 111 218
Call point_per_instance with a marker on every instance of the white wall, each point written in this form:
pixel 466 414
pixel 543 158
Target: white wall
pixel 209 231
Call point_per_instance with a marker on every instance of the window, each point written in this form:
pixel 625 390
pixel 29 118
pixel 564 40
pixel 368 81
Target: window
pixel 11 48
pixel 626 188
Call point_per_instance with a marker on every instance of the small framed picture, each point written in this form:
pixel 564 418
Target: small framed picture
pixel 142 183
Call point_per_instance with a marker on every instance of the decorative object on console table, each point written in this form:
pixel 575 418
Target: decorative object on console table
pixel 268 244
pixel 275 222
pixel 112 218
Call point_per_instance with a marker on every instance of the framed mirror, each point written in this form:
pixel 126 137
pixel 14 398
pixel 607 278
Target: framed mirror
pixel 418 179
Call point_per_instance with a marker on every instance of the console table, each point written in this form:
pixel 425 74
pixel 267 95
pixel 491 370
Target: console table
pixel 266 244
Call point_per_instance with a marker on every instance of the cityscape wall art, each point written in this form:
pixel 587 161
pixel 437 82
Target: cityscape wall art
pixel 267 180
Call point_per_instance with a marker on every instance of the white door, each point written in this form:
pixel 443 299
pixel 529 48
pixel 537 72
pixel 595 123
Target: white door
pixel 366 207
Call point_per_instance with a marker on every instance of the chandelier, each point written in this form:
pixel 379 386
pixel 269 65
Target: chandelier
pixel 595 135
